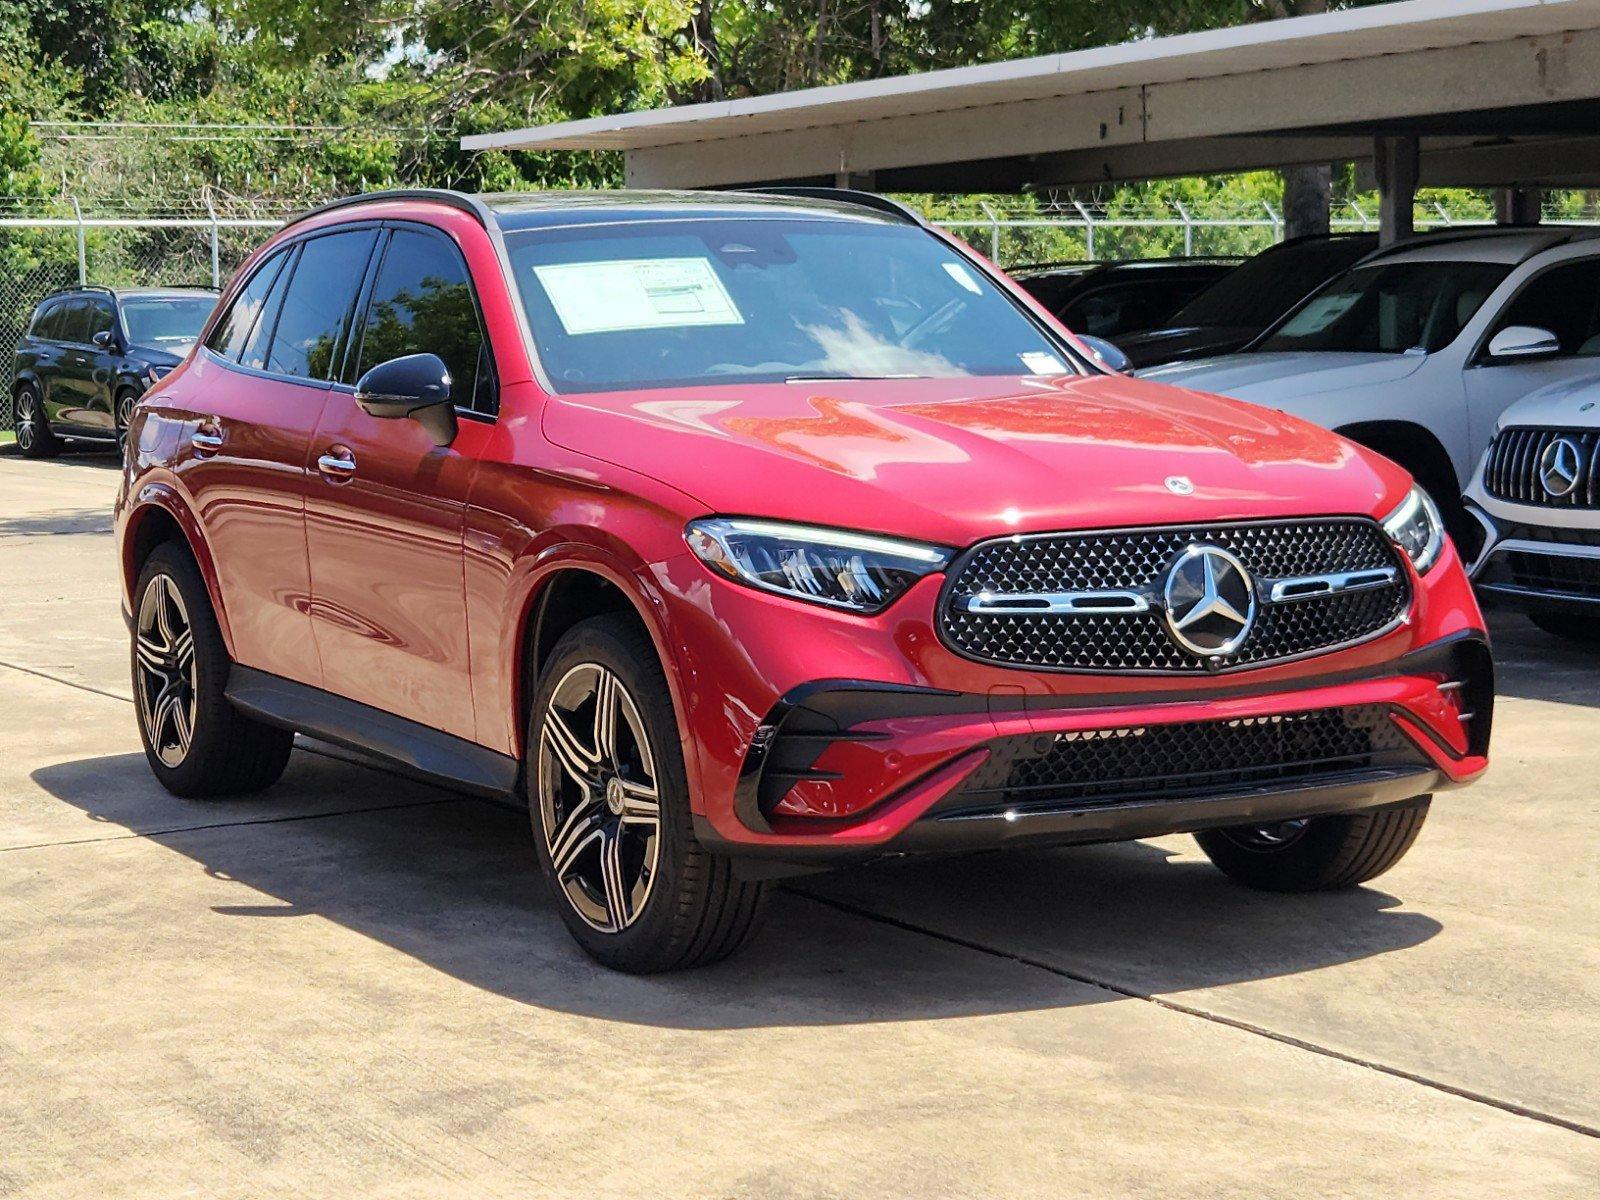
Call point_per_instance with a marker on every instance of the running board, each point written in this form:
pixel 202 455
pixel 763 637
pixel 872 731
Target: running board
pixel 441 757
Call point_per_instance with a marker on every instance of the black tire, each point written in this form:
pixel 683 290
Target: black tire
pixel 694 910
pixel 1319 854
pixel 225 753
pixel 1569 626
pixel 34 437
pixel 121 411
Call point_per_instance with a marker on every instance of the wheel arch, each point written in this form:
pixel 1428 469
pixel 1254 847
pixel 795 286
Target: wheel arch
pixel 159 515
pixel 1419 451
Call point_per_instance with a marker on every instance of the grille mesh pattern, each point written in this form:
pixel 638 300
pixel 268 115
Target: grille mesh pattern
pixel 1190 758
pixel 1512 471
pixel 1138 560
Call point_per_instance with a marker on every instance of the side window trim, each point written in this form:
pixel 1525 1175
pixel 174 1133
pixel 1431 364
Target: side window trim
pixel 357 338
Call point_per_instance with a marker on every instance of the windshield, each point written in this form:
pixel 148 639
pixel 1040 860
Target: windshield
pixel 169 322
pixel 675 303
pixel 1389 308
pixel 1258 292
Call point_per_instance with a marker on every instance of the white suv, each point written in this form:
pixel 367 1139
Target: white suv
pixel 1537 495
pixel 1417 349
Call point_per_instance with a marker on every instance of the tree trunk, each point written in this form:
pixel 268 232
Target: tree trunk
pixel 1307 195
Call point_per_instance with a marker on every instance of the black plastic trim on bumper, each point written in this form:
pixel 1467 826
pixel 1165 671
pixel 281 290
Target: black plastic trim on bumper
pixel 809 718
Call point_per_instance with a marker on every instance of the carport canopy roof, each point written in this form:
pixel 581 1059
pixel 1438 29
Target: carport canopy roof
pixel 1499 92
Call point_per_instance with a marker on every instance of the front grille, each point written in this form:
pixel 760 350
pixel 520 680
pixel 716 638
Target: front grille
pixel 1187 759
pixel 1138 560
pixel 1514 469
pixel 1564 573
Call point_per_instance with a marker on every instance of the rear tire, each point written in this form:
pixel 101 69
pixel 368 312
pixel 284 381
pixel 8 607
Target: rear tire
pixel 195 741
pixel 609 799
pixel 1318 854
pixel 1569 626
pixel 34 438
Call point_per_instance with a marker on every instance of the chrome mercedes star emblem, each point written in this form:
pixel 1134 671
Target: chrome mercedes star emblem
pixel 1180 485
pixel 1210 601
pixel 1559 467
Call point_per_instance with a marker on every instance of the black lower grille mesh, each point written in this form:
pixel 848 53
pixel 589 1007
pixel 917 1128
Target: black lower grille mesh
pixel 1137 560
pixel 1192 758
pixel 1553 573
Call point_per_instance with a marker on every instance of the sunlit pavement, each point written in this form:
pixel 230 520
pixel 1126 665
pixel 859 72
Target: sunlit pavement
pixel 354 985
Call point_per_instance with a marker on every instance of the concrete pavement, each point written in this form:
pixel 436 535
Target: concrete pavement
pixel 354 985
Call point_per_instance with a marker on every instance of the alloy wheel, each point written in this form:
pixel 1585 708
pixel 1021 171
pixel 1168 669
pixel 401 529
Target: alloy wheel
pixel 123 418
pixel 598 797
pixel 1267 838
pixel 164 646
pixel 26 421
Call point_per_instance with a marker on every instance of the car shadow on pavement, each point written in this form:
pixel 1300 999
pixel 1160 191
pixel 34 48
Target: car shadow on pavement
pixel 1531 664
pixel 451 882
pixel 74 520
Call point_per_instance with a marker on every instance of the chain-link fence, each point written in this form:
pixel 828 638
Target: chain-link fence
pixel 65 246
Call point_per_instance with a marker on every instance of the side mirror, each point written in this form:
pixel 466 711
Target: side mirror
pixel 416 386
pixel 1106 354
pixel 1523 341
pixel 105 340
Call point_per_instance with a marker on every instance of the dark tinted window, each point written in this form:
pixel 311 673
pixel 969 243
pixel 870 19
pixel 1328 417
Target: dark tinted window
pixel 1260 291
pixel 101 318
pixel 316 308
pixel 1566 301
pixel 422 304
pixel 48 322
pixel 254 351
pixel 74 321
pixel 1129 307
pixel 233 331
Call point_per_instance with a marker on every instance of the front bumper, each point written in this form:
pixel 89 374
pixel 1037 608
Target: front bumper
pixel 921 770
pixel 1536 557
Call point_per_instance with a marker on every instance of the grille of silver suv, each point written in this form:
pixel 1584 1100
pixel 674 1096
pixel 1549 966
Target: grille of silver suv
pixel 1519 458
pixel 1137 561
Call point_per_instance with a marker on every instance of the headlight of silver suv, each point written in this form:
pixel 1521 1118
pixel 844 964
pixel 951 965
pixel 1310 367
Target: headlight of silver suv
pixel 1416 528
pixel 857 571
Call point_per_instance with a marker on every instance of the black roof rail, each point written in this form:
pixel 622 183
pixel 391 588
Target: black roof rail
pixel 1556 235
pixel 470 205
pixel 78 287
pixel 860 199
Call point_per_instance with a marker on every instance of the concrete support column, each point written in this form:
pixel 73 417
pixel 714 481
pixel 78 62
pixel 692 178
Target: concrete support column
pixel 861 181
pixel 1395 160
pixel 1518 205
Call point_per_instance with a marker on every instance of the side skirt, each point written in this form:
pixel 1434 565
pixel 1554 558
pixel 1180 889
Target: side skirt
pixel 443 757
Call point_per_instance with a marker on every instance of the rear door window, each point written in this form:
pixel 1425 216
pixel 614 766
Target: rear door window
pixel 74 321
pixel 253 353
pixel 233 332
pixel 314 321
pixel 1564 300
pixel 422 303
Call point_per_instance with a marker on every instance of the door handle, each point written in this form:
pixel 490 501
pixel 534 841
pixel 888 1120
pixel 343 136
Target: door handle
pixel 337 465
pixel 206 439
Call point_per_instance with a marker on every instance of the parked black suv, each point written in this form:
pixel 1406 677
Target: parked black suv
pixel 90 352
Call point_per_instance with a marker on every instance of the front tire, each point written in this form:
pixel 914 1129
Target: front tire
pixel 122 416
pixel 1317 854
pixel 609 803
pixel 195 741
pixel 34 437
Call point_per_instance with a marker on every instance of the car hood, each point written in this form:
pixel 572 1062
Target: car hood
pixel 1271 378
pixel 1567 404
pixel 955 460
pixel 158 356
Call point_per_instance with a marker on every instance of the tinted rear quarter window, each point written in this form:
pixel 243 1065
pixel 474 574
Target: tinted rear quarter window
pixel 311 327
pixel 48 322
pixel 233 332
pixel 422 303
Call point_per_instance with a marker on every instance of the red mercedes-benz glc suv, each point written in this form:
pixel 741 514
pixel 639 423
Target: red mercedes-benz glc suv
pixel 748 534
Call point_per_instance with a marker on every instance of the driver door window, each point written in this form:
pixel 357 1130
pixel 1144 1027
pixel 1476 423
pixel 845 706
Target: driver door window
pixel 1566 301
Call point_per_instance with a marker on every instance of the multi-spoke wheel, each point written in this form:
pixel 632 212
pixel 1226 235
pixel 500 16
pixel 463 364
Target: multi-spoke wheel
pixel 126 399
pixel 610 809
pixel 600 808
pixel 163 649
pixel 34 437
pixel 1317 853
pixel 195 741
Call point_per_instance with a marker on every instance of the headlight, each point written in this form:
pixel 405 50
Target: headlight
pixel 1416 528
pixel 856 571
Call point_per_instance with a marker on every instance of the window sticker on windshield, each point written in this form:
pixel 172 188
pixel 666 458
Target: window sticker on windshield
pixel 1320 313
pixel 1041 363
pixel 638 293
pixel 964 277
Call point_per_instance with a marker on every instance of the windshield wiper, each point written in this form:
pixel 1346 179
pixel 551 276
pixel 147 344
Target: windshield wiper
pixel 823 377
